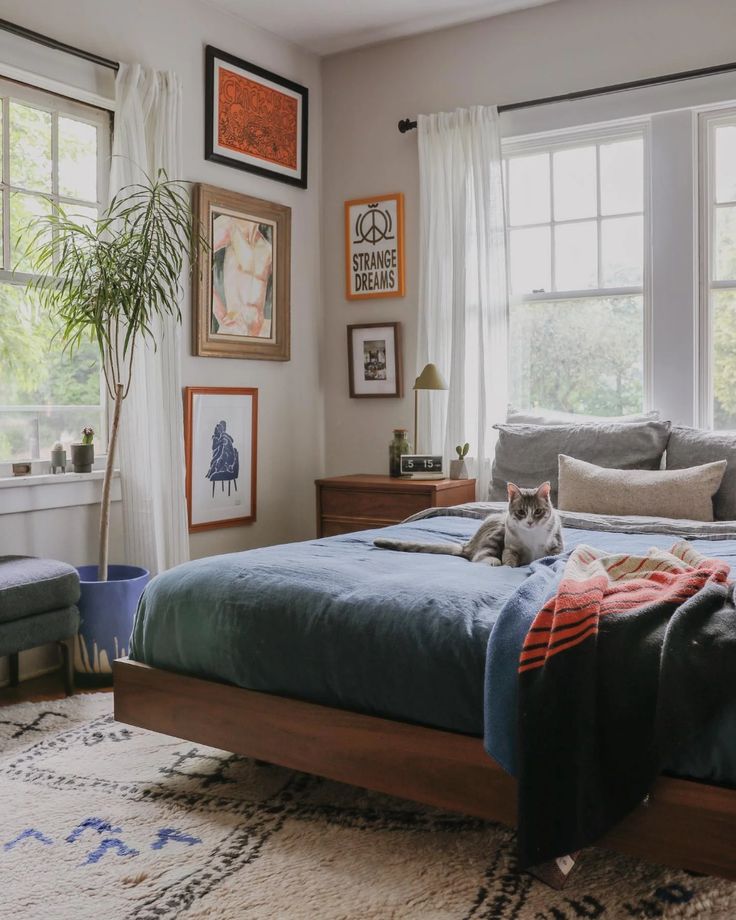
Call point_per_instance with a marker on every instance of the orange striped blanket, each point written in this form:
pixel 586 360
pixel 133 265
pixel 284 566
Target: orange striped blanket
pixel 624 663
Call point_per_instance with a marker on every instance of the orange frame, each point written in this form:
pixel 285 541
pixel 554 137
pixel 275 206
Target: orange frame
pixel 189 394
pixel 398 197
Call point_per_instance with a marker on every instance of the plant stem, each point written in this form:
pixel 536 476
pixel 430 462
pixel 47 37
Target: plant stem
pixel 107 483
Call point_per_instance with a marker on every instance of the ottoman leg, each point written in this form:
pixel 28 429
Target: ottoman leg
pixel 13 665
pixel 67 665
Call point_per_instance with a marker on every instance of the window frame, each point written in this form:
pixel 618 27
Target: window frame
pixel 708 120
pixel 570 138
pixel 57 105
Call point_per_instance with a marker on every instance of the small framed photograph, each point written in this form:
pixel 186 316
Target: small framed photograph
pixel 374 359
pixel 254 119
pixel 221 445
pixel 241 300
pixel 374 247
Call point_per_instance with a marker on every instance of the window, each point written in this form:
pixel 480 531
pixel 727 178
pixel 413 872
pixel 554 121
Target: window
pixel 54 151
pixel 577 226
pixel 718 154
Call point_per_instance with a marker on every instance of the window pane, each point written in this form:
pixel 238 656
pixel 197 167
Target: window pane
pixel 529 189
pixel 725 139
pixel 77 159
pixel 30 147
pixel 622 251
pixel 24 213
pixel 576 256
pixel 55 393
pixel 530 260
pixel 559 359
pixel 723 336
pixel 725 244
pixel 622 177
pixel 574 183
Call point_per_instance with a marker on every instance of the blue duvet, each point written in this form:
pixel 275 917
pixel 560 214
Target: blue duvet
pixel 339 622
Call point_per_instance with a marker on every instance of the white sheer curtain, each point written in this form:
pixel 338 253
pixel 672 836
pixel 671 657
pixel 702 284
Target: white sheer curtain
pixel 463 301
pixel 146 138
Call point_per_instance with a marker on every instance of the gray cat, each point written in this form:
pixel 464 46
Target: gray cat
pixel 530 529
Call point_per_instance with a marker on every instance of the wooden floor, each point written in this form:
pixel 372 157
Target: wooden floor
pixel 47 687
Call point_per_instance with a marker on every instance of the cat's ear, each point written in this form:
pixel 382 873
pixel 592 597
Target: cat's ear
pixel 512 490
pixel 543 490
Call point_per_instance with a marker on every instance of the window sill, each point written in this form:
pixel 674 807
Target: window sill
pixel 20 494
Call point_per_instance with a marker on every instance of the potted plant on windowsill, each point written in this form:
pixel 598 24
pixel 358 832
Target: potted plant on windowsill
pixel 83 453
pixel 113 281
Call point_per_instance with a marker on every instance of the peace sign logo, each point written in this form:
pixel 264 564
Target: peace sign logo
pixel 374 225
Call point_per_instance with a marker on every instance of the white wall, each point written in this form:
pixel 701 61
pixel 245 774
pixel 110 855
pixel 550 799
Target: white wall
pixel 171 34
pixel 568 45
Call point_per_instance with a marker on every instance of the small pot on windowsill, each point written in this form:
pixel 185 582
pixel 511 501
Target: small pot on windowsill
pixel 83 456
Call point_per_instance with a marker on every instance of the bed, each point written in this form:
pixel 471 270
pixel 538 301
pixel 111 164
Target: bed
pixel 367 666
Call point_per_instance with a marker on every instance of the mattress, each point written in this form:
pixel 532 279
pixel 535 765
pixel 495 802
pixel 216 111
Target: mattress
pixel 339 622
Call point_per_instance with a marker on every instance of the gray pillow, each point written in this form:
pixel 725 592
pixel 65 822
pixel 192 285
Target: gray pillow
pixel 691 446
pixel 527 454
pixel 552 417
pixel 685 495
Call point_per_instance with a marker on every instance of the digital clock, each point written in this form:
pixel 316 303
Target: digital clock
pixel 422 466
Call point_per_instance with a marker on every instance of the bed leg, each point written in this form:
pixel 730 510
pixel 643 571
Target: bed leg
pixel 556 873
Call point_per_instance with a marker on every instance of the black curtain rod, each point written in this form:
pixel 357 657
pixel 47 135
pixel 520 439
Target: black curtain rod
pixel 408 124
pixel 40 39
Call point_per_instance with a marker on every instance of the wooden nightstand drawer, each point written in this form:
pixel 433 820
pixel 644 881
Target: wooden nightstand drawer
pixel 392 506
pixel 349 503
pixel 334 526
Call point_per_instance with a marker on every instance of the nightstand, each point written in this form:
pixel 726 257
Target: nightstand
pixel 361 502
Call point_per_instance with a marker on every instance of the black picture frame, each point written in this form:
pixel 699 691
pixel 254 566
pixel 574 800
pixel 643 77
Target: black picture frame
pixel 212 56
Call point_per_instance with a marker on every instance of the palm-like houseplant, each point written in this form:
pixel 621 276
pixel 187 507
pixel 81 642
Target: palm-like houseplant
pixel 112 281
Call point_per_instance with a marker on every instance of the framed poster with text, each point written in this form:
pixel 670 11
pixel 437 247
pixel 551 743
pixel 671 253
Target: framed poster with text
pixel 374 247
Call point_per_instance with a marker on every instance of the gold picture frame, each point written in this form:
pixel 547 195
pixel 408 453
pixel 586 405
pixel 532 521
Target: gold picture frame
pixel 241 301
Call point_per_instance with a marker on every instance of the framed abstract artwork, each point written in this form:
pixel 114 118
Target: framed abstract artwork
pixel 221 447
pixel 374 359
pixel 374 247
pixel 255 119
pixel 241 301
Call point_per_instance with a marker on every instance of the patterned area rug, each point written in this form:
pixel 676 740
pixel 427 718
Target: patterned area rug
pixel 99 820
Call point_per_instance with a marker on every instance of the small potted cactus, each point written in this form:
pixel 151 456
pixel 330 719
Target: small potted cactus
pixel 458 469
pixel 83 453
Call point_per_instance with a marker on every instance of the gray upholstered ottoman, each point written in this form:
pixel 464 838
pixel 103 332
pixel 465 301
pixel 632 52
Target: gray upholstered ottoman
pixel 38 600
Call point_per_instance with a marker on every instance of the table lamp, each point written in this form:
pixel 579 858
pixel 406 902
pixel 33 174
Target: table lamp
pixel 429 379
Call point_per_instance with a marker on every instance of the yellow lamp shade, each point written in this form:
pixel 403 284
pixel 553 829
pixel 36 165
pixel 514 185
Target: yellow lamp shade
pixel 430 379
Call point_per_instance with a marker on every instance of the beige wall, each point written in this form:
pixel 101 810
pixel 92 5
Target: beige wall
pixel 171 34
pixel 569 45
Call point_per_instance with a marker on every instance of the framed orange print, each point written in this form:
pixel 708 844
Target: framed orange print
pixel 255 119
pixel 374 247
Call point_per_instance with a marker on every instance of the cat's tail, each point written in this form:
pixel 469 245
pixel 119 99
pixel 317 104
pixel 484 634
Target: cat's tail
pixel 405 546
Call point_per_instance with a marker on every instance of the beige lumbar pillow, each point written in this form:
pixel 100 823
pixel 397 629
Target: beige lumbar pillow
pixel 683 494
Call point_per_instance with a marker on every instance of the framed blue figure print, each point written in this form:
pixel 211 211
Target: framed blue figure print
pixel 221 439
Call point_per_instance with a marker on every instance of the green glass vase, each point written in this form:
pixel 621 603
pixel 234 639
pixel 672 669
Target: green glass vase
pixel 396 449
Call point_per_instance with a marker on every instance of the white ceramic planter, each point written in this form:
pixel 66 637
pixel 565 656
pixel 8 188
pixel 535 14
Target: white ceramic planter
pixel 458 469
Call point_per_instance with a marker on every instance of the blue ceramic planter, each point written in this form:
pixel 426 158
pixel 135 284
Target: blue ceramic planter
pixel 107 609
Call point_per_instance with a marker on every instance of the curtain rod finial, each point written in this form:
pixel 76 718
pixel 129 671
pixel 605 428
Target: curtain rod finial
pixel 406 124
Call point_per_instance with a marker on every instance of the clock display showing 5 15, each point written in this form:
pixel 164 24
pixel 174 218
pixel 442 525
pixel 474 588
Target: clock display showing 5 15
pixel 422 466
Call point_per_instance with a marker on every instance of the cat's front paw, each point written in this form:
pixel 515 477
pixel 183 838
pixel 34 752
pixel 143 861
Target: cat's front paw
pixel 492 560
pixel 511 559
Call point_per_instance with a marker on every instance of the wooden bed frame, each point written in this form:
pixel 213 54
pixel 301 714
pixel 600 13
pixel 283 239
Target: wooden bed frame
pixel 685 824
